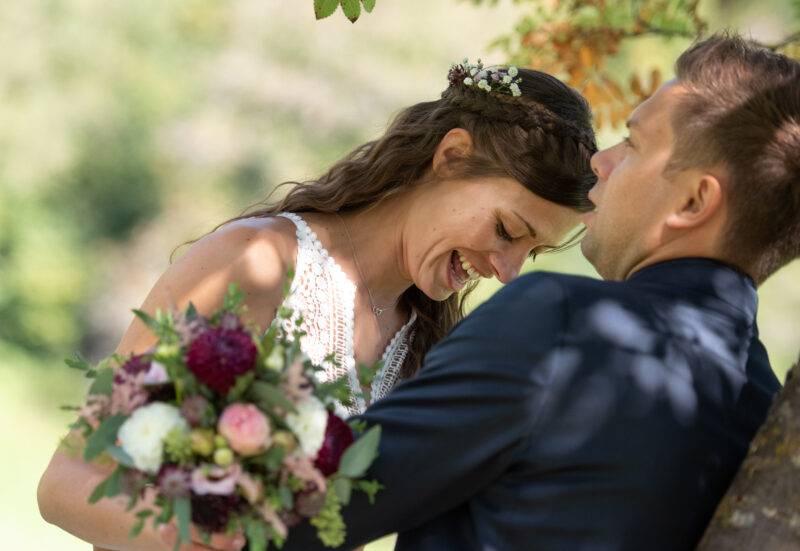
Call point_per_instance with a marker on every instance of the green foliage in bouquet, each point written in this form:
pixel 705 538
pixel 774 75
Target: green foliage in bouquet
pixel 229 424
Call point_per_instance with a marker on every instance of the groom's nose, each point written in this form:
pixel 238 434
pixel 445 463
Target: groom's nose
pixel 602 164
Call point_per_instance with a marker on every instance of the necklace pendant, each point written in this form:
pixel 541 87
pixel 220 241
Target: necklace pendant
pixel 377 311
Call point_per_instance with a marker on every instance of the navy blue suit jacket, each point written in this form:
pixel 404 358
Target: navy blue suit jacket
pixel 568 413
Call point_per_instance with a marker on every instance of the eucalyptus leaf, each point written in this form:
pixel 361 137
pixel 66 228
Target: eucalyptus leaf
pixel 104 436
pixel 120 456
pixel 78 362
pixel 369 5
pixel 183 513
pixel 343 488
pixel 360 455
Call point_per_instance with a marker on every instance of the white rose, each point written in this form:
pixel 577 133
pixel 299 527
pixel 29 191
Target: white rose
pixel 513 71
pixel 468 81
pixel 309 424
pixel 142 435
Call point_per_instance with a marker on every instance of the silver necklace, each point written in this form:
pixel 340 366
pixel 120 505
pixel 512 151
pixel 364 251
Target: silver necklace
pixel 377 310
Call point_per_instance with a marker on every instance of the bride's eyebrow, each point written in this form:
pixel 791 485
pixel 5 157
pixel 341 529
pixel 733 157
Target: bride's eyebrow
pixel 527 225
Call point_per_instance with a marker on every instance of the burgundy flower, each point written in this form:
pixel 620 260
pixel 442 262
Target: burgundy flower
pixel 173 481
pixel 134 366
pixel 212 512
pixel 338 438
pixel 217 356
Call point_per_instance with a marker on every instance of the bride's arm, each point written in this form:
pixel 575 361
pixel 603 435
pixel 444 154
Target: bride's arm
pixel 256 257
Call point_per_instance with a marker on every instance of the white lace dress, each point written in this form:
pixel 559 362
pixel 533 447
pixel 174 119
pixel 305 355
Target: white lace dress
pixel 325 298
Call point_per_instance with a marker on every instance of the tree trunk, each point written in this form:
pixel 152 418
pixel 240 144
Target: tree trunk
pixel 762 507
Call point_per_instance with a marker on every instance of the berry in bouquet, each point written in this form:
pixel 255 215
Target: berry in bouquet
pixel 230 427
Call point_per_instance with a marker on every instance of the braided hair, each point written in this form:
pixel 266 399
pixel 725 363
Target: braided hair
pixel 543 139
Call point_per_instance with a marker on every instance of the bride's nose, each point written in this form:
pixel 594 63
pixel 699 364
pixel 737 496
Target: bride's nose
pixel 507 264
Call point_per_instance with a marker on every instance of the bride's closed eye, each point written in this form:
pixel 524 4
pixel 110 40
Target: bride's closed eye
pixel 502 233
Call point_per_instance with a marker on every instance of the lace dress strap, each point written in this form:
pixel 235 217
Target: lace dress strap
pixel 324 297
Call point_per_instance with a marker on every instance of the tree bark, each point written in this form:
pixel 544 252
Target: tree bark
pixel 761 509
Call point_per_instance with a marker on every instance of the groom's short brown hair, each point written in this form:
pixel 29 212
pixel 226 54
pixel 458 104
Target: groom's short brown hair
pixel 741 113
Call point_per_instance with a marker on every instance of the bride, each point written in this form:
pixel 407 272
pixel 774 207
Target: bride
pixel 384 246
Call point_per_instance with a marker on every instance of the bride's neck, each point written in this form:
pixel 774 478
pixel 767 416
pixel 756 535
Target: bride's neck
pixel 377 237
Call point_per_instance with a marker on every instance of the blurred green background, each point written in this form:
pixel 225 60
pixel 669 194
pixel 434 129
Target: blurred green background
pixel 127 128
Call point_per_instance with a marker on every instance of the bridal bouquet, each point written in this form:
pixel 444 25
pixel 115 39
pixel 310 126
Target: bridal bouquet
pixel 230 428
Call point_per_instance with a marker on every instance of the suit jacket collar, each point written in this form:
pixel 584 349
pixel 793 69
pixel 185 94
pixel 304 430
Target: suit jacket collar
pixel 718 281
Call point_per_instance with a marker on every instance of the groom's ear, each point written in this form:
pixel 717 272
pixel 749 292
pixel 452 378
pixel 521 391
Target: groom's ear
pixel 699 200
pixel 456 144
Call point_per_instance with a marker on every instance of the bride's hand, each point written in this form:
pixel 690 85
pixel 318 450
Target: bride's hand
pixel 219 542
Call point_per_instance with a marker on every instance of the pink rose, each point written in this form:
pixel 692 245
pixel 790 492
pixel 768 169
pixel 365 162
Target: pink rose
pixel 245 428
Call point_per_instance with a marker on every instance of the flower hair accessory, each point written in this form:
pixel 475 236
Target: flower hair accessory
pixel 492 79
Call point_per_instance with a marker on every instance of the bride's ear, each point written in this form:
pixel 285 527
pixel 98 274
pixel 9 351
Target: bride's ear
pixel 456 144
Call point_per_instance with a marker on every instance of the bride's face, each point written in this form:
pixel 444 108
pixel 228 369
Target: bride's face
pixel 484 227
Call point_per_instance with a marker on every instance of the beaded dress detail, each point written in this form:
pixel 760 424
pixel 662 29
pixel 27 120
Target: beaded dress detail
pixel 325 298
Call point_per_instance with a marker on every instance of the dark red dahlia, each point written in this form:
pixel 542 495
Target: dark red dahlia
pixel 338 438
pixel 217 356
pixel 212 512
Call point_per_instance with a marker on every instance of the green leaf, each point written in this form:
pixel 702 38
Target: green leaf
pixel 99 492
pixel 141 518
pixel 103 437
pixel 369 487
pixel 323 9
pixel 360 455
pixel 148 320
pixel 240 386
pixel 165 515
pixel 256 533
pixel 78 362
pixel 351 9
pixel 287 497
pixel 120 456
pixel 114 483
pixel 343 488
pixel 191 311
pixel 103 383
pixel 183 512
pixel 369 5
pixel 233 298
pixel 269 396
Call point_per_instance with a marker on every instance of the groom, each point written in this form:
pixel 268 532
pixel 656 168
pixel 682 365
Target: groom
pixel 569 413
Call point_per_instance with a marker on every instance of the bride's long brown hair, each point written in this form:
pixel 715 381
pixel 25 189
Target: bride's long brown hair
pixel 543 139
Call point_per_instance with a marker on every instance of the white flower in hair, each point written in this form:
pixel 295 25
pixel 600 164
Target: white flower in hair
pixel 513 71
pixel 507 79
pixel 515 91
pixel 468 82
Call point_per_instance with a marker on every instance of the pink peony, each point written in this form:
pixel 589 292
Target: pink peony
pixel 218 356
pixel 245 428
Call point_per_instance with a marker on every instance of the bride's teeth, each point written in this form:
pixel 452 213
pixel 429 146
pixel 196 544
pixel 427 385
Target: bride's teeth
pixel 465 264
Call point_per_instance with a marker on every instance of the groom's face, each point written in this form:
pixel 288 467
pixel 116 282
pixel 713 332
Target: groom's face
pixel 632 195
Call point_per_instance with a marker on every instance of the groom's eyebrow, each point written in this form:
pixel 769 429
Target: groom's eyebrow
pixel 527 225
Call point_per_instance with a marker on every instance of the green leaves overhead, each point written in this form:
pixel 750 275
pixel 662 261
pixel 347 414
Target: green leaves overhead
pixel 351 8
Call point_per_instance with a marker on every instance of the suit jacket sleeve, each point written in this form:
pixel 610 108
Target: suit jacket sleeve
pixel 455 427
